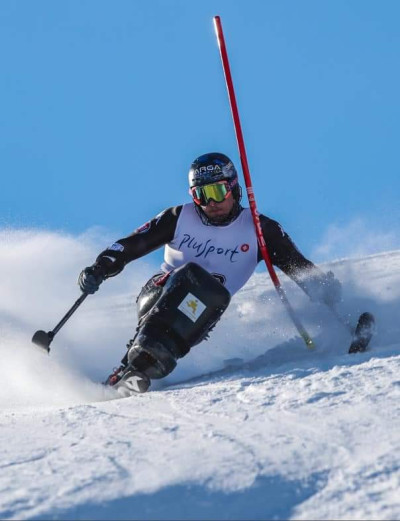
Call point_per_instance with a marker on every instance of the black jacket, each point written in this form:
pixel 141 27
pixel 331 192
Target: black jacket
pixel 161 230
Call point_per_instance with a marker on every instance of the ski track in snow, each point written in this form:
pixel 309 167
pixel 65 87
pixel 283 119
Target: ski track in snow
pixel 286 434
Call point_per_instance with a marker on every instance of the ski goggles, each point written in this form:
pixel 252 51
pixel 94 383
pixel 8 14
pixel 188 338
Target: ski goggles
pixel 217 192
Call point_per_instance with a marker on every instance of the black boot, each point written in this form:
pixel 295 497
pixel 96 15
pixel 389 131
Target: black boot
pixel 128 381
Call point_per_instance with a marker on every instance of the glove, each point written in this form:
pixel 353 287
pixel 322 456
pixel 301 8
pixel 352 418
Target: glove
pixel 90 279
pixel 325 289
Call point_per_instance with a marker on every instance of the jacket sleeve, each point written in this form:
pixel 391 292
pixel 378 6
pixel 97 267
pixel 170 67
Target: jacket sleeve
pixel 319 286
pixel 283 252
pixel 150 236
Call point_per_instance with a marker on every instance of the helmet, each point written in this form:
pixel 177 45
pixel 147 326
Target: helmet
pixel 211 168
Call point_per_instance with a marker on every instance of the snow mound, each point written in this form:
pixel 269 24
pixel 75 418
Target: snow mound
pixel 281 432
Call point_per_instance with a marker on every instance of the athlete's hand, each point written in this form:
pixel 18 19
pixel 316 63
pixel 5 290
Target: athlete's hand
pixel 90 279
pixel 325 289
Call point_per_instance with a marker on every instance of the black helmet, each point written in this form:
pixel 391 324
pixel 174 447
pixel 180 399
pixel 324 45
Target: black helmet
pixel 211 168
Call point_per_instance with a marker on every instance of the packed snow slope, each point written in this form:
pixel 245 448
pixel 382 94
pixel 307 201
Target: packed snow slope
pixel 280 433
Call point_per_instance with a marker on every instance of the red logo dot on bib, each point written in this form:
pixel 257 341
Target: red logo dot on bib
pixel 245 247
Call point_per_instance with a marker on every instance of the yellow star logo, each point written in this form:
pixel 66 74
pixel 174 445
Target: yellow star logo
pixel 192 304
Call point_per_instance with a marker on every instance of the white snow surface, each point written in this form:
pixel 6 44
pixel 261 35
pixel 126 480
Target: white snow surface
pixel 281 433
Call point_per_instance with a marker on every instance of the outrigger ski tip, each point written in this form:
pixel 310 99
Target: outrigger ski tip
pixel 43 340
pixel 364 331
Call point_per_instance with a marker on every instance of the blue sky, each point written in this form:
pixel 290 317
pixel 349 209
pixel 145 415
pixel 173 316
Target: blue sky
pixel 105 104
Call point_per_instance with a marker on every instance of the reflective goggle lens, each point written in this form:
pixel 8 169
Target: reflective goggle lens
pixel 217 192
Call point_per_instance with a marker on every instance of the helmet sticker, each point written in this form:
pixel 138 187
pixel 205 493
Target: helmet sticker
pixel 228 169
pixel 215 169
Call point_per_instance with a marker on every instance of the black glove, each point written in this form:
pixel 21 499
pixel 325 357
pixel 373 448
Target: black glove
pixel 90 279
pixel 325 289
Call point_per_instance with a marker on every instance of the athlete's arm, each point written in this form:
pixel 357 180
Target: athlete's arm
pixel 282 250
pixel 319 286
pixel 152 235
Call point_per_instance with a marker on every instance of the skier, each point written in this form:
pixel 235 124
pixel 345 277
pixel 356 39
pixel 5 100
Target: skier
pixel 210 252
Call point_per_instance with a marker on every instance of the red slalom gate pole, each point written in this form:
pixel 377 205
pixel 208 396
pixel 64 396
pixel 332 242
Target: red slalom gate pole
pixel 249 188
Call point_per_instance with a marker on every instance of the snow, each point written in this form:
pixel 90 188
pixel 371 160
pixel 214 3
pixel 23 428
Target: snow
pixel 281 432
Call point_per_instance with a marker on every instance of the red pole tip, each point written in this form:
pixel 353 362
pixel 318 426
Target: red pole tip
pixel 217 25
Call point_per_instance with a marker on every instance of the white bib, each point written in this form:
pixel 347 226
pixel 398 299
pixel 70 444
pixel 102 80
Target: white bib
pixel 227 252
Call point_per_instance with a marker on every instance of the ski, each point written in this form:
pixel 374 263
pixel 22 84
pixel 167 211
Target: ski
pixel 363 333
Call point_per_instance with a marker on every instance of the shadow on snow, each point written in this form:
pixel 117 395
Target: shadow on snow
pixel 267 498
